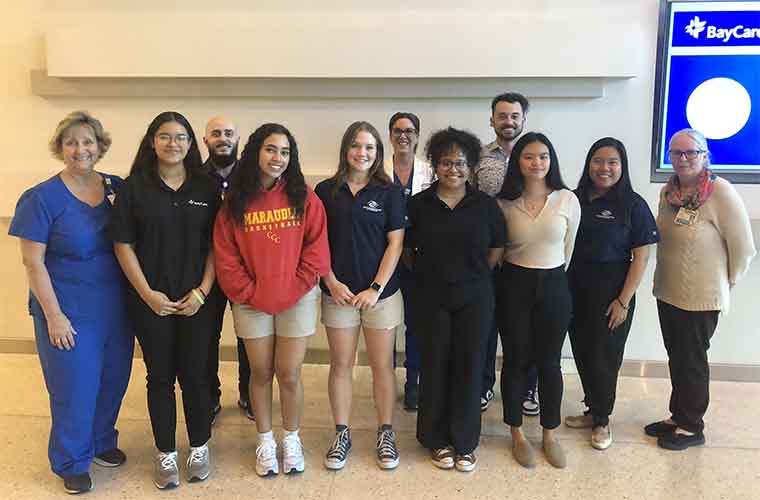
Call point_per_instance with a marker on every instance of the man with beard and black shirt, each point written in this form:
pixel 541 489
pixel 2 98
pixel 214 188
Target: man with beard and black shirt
pixel 221 139
pixel 508 113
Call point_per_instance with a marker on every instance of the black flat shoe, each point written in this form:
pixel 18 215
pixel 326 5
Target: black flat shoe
pixel 110 458
pixel 77 483
pixel 659 429
pixel 678 442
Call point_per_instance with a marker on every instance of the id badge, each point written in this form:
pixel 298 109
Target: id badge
pixel 686 217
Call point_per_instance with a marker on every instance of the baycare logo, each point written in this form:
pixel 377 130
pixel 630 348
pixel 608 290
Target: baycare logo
pixel 697 26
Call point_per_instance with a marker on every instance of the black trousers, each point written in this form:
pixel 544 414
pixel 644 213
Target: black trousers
pixel 175 347
pixel 534 313
pixel 489 366
pixel 598 351
pixel 217 302
pixel 454 323
pixel 687 335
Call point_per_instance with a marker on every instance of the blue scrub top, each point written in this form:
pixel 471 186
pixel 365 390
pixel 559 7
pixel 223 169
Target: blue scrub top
pixel 608 232
pixel 358 228
pixel 79 257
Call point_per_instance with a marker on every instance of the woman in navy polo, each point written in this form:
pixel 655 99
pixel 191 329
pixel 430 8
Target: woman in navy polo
pixel 611 253
pixel 162 227
pixel 366 217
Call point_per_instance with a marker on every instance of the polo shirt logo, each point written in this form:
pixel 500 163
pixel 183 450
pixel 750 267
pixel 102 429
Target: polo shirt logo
pixel 605 214
pixel 373 206
pixel 197 203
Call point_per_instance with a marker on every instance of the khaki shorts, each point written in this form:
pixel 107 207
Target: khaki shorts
pixel 387 313
pixel 298 321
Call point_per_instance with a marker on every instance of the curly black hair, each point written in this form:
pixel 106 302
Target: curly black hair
pixel 444 140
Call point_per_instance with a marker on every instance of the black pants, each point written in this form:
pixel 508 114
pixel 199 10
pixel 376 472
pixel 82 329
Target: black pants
pixel 534 313
pixel 598 351
pixel 687 335
pixel 411 338
pixel 489 366
pixel 175 347
pixel 217 302
pixel 454 324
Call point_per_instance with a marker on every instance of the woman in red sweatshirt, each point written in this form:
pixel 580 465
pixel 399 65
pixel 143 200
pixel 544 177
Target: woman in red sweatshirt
pixel 271 248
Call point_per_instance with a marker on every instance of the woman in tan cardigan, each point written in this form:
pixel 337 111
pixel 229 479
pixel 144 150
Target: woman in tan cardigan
pixel 706 246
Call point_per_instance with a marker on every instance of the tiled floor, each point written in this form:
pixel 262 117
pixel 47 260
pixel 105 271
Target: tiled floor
pixel 633 468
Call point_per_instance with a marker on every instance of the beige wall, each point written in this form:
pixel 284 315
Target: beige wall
pixel 530 29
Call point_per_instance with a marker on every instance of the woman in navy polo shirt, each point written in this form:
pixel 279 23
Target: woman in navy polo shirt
pixel 366 217
pixel 162 227
pixel 611 253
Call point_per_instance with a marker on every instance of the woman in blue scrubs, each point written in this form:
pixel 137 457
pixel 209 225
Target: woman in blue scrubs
pixel 77 301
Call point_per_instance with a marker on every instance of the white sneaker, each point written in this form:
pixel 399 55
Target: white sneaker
pixel 198 463
pixel 292 454
pixel 165 471
pixel 266 458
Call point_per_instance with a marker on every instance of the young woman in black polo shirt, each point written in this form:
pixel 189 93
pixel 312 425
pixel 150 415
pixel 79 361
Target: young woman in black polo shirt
pixel 610 258
pixel 366 217
pixel 456 237
pixel 162 226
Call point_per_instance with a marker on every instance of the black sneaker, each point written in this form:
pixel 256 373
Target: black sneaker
pixel 485 400
pixel 77 483
pixel 247 408
pixel 338 453
pixel 530 405
pixel 387 453
pixel 411 396
pixel 111 458
pixel 215 411
pixel 659 429
pixel 677 441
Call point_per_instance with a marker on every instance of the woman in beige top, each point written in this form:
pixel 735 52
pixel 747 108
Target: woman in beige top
pixel 705 248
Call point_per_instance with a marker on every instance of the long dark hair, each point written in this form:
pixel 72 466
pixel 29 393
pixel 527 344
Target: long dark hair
pixel 146 161
pixel 245 184
pixel 514 183
pixel 376 171
pixel 622 192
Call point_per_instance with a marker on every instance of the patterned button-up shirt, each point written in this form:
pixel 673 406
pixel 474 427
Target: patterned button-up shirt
pixel 488 175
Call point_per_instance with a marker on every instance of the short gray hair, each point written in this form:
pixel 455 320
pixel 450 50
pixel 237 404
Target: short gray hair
pixel 697 137
pixel 79 118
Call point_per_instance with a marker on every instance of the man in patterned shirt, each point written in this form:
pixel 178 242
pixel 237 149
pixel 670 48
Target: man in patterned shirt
pixel 508 113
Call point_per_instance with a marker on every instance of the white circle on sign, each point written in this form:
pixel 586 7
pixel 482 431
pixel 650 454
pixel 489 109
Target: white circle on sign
pixel 719 108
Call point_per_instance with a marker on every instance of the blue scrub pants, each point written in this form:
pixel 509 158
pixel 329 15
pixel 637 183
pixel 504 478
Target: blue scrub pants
pixel 411 339
pixel 86 387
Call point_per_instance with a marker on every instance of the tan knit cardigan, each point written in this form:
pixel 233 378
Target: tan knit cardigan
pixel 697 265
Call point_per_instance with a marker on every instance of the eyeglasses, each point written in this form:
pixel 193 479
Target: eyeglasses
pixel 167 138
pixel 691 154
pixel 398 132
pixel 460 165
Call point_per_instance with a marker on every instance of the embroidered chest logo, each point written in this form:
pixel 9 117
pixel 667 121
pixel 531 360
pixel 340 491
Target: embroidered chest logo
pixel 197 203
pixel 373 206
pixel 605 214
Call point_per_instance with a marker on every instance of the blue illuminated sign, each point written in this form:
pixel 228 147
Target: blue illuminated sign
pixel 709 79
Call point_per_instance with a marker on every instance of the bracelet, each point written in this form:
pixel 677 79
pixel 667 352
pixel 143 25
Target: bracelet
pixel 205 295
pixel 198 296
pixel 621 303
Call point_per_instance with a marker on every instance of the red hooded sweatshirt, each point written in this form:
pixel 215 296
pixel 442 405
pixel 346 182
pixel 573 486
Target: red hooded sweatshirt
pixel 272 259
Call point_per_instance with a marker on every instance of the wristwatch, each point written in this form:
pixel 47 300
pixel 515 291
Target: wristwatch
pixel 377 287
